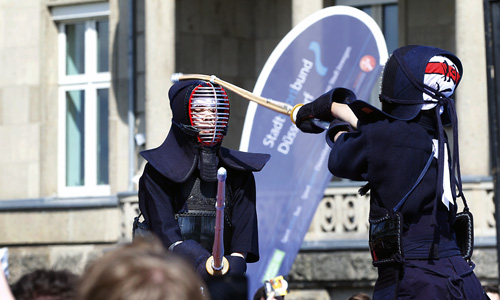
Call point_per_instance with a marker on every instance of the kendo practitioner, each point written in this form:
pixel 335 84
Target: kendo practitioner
pixel 419 243
pixel 177 191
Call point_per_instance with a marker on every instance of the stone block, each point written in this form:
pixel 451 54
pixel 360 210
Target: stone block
pixel 25 259
pixel 333 266
pixel 486 263
pixel 55 226
pixel 308 295
pixel 18 113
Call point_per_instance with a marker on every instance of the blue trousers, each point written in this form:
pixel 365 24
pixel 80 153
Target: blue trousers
pixel 450 278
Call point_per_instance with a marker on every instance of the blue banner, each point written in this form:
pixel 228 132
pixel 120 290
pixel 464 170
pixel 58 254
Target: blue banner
pixel 337 46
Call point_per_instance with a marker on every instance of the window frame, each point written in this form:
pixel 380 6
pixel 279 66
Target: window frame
pixel 377 7
pixel 90 81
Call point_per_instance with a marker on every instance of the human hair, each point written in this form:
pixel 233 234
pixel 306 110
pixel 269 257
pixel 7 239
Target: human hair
pixel 260 293
pixel 491 289
pixel 359 296
pixel 46 284
pixel 141 270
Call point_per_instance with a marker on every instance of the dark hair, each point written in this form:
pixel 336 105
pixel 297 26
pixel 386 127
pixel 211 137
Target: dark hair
pixel 491 289
pixel 49 284
pixel 261 292
pixel 359 296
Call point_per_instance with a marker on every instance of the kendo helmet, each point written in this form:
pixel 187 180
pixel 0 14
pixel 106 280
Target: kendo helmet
pixel 408 85
pixel 416 78
pixel 403 81
pixel 200 109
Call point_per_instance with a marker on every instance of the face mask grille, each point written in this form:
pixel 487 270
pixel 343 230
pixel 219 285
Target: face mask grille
pixel 209 113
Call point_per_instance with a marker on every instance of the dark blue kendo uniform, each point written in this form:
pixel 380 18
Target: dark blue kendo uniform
pixel 413 235
pixel 176 189
pixel 160 194
pixel 390 155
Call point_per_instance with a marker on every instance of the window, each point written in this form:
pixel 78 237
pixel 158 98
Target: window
pixel 390 28
pixel 84 82
pixel 385 13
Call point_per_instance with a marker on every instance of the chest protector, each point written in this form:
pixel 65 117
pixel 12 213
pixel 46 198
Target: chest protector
pixel 197 217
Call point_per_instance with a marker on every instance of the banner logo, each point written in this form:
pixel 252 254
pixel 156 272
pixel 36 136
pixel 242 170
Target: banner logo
pixel 293 182
pixel 367 63
pixel 316 49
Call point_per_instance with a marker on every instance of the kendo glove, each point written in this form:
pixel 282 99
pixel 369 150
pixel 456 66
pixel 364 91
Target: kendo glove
pixel 321 109
pixel 317 109
pixel 196 254
pixel 337 126
pixel 237 265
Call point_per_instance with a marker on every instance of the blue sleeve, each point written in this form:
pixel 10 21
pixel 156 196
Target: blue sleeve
pixel 349 156
pixel 156 195
pixel 335 127
pixel 245 237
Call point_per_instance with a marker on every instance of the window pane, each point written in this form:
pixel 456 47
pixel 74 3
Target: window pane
pixel 391 26
pixel 102 137
pixel 75 49
pixel 75 138
pixel 366 9
pixel 102 46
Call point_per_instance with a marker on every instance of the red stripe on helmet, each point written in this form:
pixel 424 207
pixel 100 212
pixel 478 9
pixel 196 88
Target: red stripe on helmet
pixel 443 69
